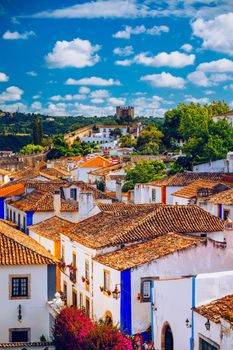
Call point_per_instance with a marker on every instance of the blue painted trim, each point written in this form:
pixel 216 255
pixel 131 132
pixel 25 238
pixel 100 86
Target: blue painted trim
pixel 125 306
pixel 220 211
pixel 193 305
pixel 152 302
pixel 29 220
pixel 2 216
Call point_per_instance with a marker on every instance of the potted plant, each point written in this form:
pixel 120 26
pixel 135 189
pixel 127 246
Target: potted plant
pixel 83 279
pixel 87 282
pixel 139 296
pixel 101 289
pixel 109 292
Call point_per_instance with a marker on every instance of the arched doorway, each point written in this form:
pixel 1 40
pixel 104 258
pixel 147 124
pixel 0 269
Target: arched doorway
pixel 166 337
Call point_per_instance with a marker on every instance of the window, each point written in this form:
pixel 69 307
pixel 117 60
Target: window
pixel 73 193
pixel 19 287
pixel 145 290
pixel 65 293
pixel 62 253
pixel 106 280
pixel 74 298
pixel 74 263
pixel 20 335
pixel 87 309
pixel 207 345
pixel 10 215
pixel 87 271
pixel 14 217
pixel 19 221
pixel 226 214
pixel 81 301
pixel 24 223
pixel 153 195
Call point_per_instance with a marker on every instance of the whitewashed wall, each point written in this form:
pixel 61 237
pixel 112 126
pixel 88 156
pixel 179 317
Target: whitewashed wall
pixel 34 310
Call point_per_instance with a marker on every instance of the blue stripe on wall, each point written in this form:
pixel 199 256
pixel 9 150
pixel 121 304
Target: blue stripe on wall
pixel 220 211
pixel 193 305
pixel 29 219
pixel 2 207
pixel 125 307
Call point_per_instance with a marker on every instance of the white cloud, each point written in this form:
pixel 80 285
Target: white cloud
pixel 36 105
pixel 93 81
pixel 165 80
pixel 3 77
pixel 97 100
pixel 77 53
pixel 99 94
pixel 202 100
pixel 35 97
pixel 32 73
pixel 67 97
pixel 117 101
pixel 12 93
pixel 174 59
pixel 187 47
pixel 209 92
pixel 221 65
pixel 216 33
pixel 98 9
pixel 84 90
pixel 199 78
pixel 13 107
pixel 128 31
pixel 123 51
pixel 16 35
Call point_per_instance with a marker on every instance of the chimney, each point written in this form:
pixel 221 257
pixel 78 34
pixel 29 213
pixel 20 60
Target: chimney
pixel 118 190
pixel 85 204
pixel 57 202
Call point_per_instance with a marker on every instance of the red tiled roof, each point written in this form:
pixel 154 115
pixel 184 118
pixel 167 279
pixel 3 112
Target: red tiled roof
pixel 190 191
pixel 16 248
pixel 14 190
pixel 225 197
pixel 53 228
pixel 217 309
pixel 96 162
pixel 147 252
pixel 184 179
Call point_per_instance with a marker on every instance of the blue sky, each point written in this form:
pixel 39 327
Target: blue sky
pixel 84 58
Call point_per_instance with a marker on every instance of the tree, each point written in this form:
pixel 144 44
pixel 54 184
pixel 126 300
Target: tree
pixel 30 149
pixel 37 130
pixel 149 140
pixel 127 141
pixel 116 133
pixel 145 171
pixel 75 331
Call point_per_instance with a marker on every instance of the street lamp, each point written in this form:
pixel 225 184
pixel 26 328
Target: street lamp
pixel 116 293
pixel 207 325
pixel 188 324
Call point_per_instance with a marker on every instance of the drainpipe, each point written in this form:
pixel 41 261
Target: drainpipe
pixel 152 304
pixel 193 305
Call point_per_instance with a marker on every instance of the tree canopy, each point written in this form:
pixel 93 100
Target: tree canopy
pixel 144 171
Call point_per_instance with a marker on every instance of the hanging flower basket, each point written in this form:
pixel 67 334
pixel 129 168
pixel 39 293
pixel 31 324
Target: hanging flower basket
pixel 83 279
pixel 101 289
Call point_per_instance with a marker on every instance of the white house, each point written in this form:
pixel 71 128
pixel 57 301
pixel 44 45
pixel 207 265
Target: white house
pixel 160 191
pixel 90 165
pixel 28 282
pixel 176 318
pixel 95 264
pixel 4 176
pixel 228 116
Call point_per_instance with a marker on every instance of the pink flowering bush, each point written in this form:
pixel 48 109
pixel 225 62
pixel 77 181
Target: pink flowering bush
pixel 75 331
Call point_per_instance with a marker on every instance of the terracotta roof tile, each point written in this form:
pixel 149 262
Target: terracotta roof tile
pixel 53 228
pixel 42 201
pixel 217 309
pixel 184 179
pixel 4 172
pixel 14 190
pixel 96 162
pixel 16 248
pixel 190 191
pixel 106 170
pixel 128 223
pixel 23 344
pixel 151 250
pixel 225 197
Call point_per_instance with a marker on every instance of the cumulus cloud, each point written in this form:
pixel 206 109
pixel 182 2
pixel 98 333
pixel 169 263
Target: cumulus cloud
pixel 97 100
pixel 202 100
pixel 117 101
pixel 84 90
pixel 67 97
pixel 93 81
pixel 12 93
pixel 199 78
pixel 3 77
pixel 99 94
pixel 165 80
pixel 215 33
pixel 187 47
pixel 123 51
pixel 221 65
pixel 77 53
pixel 36 105
pixel 174 59
pixel 32 73
pixel 13 107
pixel 8 35
pixel 128 31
